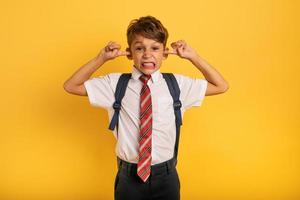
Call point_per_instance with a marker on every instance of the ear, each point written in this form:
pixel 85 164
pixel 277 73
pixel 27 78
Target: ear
pixel 129 56
pixel 166 53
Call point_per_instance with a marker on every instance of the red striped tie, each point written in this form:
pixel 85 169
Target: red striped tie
pixel 145 138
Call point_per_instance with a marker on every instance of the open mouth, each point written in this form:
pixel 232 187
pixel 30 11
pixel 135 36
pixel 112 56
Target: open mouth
pixel 148 65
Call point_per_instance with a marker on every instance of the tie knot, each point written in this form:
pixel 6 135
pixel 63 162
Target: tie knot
pixel 144 78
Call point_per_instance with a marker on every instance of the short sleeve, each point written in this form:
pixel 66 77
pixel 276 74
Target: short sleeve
pixel 192 91
pixel 101 90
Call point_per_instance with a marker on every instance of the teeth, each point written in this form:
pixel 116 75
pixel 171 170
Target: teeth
pixel 148 64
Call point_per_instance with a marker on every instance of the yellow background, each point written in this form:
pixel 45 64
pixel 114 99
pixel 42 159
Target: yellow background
pixel 244 144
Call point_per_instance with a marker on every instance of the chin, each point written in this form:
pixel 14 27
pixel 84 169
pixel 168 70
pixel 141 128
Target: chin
pixel 148 71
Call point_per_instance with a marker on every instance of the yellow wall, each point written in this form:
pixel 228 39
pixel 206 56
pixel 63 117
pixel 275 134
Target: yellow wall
pixel 243 143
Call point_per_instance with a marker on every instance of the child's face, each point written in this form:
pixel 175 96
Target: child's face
pixel 147 54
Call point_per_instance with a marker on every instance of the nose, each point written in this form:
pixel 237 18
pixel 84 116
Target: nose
pixel 147 53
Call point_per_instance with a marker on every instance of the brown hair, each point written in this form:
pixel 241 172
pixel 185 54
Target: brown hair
pixel 148 27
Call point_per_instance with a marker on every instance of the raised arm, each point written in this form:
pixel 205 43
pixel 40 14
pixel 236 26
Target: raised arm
pixel 216 83
pixel 75 84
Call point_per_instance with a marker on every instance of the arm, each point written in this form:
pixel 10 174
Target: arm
pixel 75 84
pixel 216 83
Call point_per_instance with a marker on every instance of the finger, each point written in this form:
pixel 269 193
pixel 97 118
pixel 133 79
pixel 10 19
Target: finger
pixel 109 43
pixel 167 51
pixel 123 53
pixel 112 47
pixel 107 48
pixel 180 51
pixel 179 43
pixel 115 52
pixel 174 44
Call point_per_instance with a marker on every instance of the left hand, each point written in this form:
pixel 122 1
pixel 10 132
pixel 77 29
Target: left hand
pixel 181 49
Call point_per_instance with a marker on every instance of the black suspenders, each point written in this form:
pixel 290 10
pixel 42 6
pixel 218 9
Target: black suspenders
pixel 119 94
pixel 174 91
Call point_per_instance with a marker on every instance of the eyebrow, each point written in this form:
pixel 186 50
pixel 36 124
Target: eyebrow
pixel 139 42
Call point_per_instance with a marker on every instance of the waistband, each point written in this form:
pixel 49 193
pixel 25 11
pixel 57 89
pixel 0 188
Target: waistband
pixel 157 169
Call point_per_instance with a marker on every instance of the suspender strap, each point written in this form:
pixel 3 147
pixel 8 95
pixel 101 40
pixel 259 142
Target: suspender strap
pixel 119 94
pixel 175 93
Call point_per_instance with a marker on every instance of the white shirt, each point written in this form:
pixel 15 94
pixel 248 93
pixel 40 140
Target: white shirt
pixel 101 91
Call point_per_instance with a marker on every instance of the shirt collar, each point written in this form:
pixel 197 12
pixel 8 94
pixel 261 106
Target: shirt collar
pixel 155 77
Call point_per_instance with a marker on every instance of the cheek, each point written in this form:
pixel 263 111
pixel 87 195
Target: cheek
pixel 137 56
pixel 159 57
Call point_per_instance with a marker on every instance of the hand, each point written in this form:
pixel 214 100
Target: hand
pixel 111 51
pixel 181 49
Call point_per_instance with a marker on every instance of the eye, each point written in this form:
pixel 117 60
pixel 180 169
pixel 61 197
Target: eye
pixel 138 48
pixel 155 48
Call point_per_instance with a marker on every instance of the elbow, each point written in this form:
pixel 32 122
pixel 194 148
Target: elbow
pixel 216 89
pixel 225 87
pixel 74 89
pixel 67 87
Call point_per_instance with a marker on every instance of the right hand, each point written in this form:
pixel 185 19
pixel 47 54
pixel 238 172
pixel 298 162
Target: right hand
pixel 111 51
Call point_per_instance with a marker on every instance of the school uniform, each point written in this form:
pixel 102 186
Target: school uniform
pixel 163 182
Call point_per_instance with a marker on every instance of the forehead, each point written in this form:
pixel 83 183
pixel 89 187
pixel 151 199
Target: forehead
pixel 138 39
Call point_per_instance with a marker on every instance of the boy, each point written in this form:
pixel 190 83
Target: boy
pixel 146 130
